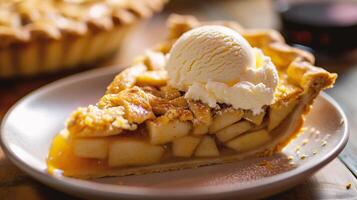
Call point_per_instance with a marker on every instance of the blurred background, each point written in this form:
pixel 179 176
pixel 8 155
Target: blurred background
pixel 327 28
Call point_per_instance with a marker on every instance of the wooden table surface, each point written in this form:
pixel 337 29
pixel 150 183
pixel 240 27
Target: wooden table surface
pixel 329 183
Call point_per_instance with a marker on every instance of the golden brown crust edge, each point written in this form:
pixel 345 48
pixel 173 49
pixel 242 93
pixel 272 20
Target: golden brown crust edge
pixel 297 63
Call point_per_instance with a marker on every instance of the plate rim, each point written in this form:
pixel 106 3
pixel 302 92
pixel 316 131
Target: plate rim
pixel 66 184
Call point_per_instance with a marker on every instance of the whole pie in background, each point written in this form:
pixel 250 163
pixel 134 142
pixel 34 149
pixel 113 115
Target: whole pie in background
pixel 177 108
pixel 39 36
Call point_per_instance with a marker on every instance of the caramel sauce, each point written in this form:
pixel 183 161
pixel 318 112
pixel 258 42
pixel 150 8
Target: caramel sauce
pixel 61 157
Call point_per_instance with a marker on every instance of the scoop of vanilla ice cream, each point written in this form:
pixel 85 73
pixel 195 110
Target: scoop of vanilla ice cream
pixel 216 64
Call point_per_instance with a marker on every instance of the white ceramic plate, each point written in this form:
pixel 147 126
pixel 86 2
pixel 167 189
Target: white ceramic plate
pixel 28 128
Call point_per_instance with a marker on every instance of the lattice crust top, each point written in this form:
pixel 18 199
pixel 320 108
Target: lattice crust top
pixel 21 21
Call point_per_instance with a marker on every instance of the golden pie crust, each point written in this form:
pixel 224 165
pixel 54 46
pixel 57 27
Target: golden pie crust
pixel 138 100
pixel 45 36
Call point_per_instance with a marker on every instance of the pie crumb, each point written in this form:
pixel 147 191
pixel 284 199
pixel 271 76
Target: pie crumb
pixel 305 141
pixel 302 157
pixel 348 186
pixel 323 143
pixel 263 163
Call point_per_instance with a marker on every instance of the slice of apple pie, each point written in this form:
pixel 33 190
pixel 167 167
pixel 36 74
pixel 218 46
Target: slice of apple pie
pixel 212 93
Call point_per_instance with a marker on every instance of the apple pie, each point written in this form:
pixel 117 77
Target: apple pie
pixel 44 36
pixel 151 119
